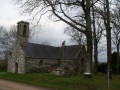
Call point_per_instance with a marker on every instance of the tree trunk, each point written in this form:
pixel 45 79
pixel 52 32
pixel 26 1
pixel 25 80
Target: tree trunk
pixel 89 50
pixel 95 43
pixel 95 57
pixel 118 55
pixel 88 35
pixel 108 36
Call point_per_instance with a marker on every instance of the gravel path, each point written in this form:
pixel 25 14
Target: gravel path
pixel 9 85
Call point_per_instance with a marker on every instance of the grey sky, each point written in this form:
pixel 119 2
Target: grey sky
pixel 51 31
pixel 48 31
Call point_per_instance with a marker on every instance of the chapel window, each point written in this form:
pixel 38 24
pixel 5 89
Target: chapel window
pixel 24 30
pixel 40 62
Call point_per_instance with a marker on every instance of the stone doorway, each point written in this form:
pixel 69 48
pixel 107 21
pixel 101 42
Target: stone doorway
pixel 16 67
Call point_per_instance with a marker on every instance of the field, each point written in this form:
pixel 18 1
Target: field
pixel 98 82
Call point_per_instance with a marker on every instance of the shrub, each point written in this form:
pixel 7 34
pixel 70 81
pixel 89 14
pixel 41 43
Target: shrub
pixel 3 65
pixel 102 67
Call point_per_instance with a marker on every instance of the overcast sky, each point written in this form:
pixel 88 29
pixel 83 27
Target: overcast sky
pixel 51 32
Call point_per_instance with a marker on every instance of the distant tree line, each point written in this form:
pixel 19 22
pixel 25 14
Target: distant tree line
pixel 102 67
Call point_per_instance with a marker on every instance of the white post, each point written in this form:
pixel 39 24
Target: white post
pixel 108 73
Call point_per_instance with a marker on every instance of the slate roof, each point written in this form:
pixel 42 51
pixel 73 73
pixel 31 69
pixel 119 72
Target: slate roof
pixel 50 52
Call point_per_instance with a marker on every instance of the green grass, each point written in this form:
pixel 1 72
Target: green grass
pixel 98 82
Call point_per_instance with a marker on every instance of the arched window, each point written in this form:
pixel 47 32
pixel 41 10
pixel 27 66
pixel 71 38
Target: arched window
pixel 40 62
pixel 16 67
pixel 18 29
pixel 24 30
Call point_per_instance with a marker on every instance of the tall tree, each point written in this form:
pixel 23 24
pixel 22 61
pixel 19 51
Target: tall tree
pixel 104 13
pixel 108 34
pixel 116 42
pixel 97 33
pixel 115 20
pixel 7 38
pixel 78 38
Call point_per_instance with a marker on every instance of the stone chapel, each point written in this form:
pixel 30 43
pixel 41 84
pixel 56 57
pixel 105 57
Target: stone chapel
pixel 31 57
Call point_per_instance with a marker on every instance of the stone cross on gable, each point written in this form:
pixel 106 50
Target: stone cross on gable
pixel 63 43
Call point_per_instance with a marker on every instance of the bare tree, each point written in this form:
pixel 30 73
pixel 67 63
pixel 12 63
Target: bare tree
pixel 108 34
pixel 79 38
pixel 116 31
pixel 116 42
pixel 104 12
pixel 76 36
pixel 7 38
pixel 97 34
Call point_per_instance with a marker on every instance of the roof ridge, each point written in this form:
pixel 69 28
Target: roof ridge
pixel 54 46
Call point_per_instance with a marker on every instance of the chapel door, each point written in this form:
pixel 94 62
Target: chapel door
pixel 16 67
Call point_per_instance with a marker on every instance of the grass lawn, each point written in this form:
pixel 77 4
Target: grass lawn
pixel 99 82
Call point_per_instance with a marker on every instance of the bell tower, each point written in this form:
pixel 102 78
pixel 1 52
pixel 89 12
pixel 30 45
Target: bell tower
pixel 22 33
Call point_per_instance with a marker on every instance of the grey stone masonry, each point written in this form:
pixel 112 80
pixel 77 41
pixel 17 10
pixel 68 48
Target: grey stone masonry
pixel 16 62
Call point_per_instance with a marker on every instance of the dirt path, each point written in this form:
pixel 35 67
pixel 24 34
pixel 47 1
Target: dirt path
pixel 9 85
